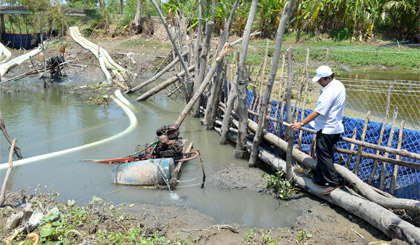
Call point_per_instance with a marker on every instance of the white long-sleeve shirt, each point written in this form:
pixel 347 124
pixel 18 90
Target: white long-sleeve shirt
pixel 330 106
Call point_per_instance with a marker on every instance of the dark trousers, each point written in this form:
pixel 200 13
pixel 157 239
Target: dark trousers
pixel 325 171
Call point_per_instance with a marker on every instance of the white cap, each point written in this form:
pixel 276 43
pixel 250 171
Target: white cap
pixel 322 71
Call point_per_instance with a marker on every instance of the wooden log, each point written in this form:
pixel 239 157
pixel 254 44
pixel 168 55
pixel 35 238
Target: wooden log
pixel 6 177
pixel 228 111
pixel 156 76
pixel 217 96
pixel 306 79
pixel 395 173
pixel 198 61
pixel 202 87
pixel 351 148
pixel 174 46
pixel 347 175
pixel 379 217
pixel 381 134
pixel 360 148
pixel 290 132
pixel 391 137
pixel 287 13
pixel 280 96
pixel 211 101
pixel 203 64
pixel 262 79
pixel 380 158
pixel 243 84
pixel 254 88
pixel 163 85
pixel 17 150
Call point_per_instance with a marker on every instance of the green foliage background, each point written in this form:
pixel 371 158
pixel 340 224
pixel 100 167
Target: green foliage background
pixel 340 19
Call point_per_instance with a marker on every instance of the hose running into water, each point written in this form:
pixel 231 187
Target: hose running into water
pixel 133 124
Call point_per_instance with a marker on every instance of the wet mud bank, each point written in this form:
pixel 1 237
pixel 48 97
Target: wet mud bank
pixel 327 224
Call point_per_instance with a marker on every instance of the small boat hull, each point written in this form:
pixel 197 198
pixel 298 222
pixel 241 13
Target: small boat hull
pixel 144 173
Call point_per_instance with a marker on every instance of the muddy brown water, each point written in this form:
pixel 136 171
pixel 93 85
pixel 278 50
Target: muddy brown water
pixel 54 119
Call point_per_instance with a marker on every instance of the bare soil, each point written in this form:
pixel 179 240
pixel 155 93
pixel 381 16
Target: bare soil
pixel 327 224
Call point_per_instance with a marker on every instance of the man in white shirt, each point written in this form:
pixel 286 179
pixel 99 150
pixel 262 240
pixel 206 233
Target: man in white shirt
pixel 326 118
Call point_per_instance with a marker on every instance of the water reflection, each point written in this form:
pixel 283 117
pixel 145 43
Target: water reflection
pixel 47 120
pixel 368 91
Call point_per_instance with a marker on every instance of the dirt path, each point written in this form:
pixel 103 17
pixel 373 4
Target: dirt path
pixel 323 224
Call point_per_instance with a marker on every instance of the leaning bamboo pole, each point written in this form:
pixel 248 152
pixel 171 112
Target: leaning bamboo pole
pixel 395 173
pixel 174 46
pixel 203 86
pixel 389 143
pixel 287 13
pixel 381 134
pixel 156 76
pixel 360 148
pixel 211 102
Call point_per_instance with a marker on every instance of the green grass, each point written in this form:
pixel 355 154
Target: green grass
pixel 153 44
pixel 352 54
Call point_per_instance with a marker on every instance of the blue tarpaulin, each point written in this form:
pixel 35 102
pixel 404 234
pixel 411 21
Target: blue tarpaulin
pixel 408 179
pixel 24 41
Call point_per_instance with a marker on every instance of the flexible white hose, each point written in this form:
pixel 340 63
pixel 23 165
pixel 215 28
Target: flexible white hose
pixel 131 127
pixel 17 61
pixel 119 95
pixel 5 54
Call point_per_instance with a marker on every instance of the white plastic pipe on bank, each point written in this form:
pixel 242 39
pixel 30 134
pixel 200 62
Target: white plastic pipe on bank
pixel 121 101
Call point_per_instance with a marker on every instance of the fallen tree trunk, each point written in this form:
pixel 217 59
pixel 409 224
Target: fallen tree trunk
pixel 163 85
pixel 384 220
pixel 348 176
pixel 156 76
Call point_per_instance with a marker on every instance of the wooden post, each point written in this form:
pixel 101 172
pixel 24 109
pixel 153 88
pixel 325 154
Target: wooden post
pixel 327 56
pixel 305 77
pixel 280 96
pixel 243 84
pixel 229 106
pixel 391 137
pixel 287 13
pixel 254 89
pixel 395 173
pixel 381 134
pixel 360 148
pixel 202 87
pixel 353 136
pixel 6 135
pixel 290 131
pixel 9 171
pixel 203 64
pixel 262 79
pixel 211 104
pixel 187 74
pixel 198 50
pixel 163 85
pixel 2 27
pixel 156 76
